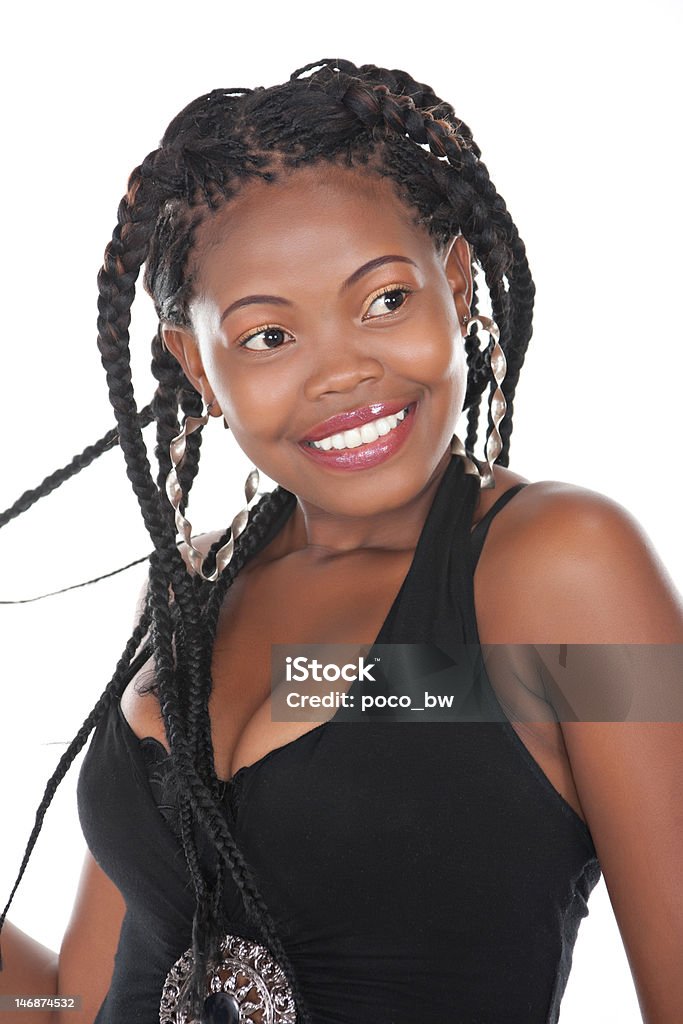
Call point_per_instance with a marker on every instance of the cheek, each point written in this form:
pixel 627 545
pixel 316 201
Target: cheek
pixel 266 400
pixel 248 398
pixel 433 352
pixel 256 401
pixel 438 360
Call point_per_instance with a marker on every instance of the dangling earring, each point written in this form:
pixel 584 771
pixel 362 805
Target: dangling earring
pixel 175 496
pixel 208 409
pixel 497 407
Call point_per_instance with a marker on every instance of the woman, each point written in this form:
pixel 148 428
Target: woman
pixel 311 250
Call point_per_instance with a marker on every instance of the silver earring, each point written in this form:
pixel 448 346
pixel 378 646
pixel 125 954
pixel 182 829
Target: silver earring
pixel 208 409
pixel 458 448
pixel 497 407
pixel 175 496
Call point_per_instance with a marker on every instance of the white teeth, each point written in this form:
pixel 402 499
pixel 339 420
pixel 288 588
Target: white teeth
pixel 360 435
pixel 350 439
pixel 368 432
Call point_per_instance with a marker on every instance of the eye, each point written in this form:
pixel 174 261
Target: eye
pixel 386 301
pixel 272 337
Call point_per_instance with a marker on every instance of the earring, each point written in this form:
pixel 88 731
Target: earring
pixel 497 407
pixel 208 409
pixel 174 494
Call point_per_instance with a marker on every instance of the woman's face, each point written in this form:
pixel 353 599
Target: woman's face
pixel 319 296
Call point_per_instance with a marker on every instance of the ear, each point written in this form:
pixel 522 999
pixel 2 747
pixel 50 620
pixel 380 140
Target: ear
pixel 182 344
pixel 458 270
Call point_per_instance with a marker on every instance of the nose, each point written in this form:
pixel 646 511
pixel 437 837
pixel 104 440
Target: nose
pixel 339 366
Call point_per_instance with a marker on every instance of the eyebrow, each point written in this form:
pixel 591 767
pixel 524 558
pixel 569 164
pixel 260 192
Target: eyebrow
pixel 277 300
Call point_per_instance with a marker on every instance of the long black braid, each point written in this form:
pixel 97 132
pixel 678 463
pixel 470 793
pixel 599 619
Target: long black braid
pixel 370 118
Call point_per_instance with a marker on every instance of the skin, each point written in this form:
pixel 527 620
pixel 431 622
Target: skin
pixel 561 564
pixel 352 535
pixel 301 240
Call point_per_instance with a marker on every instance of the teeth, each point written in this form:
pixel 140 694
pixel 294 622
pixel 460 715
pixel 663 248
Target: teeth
pixel 360 435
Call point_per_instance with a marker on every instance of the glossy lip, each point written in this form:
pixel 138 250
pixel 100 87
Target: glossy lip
pixel 355 418
pixel 367 455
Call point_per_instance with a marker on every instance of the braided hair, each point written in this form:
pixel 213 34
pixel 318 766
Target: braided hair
pixel 386 124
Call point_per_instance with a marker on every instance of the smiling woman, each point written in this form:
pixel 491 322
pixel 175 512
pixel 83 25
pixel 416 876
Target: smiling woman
pixel 313 253
pixel 355 281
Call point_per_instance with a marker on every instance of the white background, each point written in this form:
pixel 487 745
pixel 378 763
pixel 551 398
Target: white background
pixel 575 108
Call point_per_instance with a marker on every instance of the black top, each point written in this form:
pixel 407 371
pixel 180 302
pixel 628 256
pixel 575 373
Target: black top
pixel 415 870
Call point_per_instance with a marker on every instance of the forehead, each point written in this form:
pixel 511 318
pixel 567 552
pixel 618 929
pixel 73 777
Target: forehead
pixel 317 217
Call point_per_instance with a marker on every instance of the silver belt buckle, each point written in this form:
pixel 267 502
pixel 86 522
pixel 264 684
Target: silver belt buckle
pixel 253 980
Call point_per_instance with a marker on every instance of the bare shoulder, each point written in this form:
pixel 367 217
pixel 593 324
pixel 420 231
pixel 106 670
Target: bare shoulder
pixel 570 565
pixel 139 705
pixel 202 542
pixel 564 563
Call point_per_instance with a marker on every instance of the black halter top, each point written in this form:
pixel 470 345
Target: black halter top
pixel 416 871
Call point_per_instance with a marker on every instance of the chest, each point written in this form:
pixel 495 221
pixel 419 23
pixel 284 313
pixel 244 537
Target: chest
pixel 342 601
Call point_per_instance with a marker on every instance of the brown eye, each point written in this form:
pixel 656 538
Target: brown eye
pixel 386 302
pixel 272 337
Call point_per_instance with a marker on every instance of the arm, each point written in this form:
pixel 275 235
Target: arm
pixel 86 959
pixel 85 963
pixel 29 968
pixel 592 577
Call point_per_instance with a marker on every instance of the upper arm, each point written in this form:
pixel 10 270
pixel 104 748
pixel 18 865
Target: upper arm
pixel 86 959
pixel 591 576
pixel 140 706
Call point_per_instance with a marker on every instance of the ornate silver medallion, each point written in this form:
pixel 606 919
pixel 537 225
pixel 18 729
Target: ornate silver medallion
pixel 256 985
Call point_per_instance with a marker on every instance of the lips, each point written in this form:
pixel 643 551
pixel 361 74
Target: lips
pixel 364 456
pixel 354 418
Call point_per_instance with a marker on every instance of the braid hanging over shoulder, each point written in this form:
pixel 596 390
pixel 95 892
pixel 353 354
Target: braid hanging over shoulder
pixel 382 122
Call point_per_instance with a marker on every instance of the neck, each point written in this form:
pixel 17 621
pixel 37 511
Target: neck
pixel 325 535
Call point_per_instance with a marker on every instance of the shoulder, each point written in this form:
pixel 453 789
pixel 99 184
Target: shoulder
pixel 563 563
pixel 139 701
pixel 202 542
